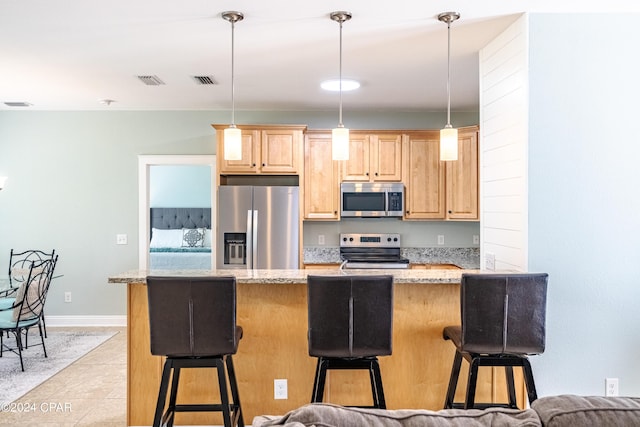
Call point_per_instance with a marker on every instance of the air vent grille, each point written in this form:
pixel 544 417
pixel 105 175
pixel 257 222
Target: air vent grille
pixel 205 80
pixel 151 80
pixel 17 104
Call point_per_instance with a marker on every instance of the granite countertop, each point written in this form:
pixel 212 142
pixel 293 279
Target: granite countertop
pixel 466 258
pixel 296 276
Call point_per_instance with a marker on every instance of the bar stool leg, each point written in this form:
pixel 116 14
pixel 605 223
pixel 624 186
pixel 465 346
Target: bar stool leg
pixel 453 381
pixel 528 380
pixel 234 391
pixel 318 385
pixel 471 384
pixel 376 385
pixel 224 395
pixel 171 409
pixel 511 388
pixel 162 393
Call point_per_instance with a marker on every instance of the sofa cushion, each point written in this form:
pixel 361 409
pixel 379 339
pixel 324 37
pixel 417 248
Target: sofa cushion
pixel 570 410
pixel 328 415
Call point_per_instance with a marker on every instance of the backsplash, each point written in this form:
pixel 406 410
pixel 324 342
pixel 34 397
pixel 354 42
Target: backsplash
pixel 467 258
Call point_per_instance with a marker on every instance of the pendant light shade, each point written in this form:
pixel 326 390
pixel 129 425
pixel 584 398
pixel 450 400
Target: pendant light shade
pixel 448 135
pixel 232 135
pixel 3 180
pixel 340 135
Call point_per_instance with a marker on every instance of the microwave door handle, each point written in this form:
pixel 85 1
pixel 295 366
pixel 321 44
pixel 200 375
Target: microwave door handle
pixel 249 241
pixel 254 244
pixel 386 202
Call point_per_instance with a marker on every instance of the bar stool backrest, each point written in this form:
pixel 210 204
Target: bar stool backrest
pixel 192 316
pixel 350 316
pixel 503 313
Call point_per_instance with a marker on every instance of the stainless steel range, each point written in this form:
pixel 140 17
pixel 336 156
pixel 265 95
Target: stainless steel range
pixel 371 250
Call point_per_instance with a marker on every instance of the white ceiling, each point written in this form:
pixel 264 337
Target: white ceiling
pixel 69 54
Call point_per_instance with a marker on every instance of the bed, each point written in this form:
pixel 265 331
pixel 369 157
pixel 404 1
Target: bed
pixel 180 239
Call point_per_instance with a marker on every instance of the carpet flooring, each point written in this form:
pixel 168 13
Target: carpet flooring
pixel 63 348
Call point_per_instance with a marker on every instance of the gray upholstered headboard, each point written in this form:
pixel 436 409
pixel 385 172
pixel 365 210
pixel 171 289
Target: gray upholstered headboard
pixel 177 218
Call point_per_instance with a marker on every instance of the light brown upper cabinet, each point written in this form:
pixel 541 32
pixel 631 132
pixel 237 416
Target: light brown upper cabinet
pixel 462 177
pixel 321 178
pixel 441 190
pixel 424 176
pixel 265 150
pixel 374 157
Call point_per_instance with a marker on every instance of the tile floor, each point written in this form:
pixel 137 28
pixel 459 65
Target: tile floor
pixel 90 392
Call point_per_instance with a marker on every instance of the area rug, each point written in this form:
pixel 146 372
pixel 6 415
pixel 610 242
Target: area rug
pixel 63 348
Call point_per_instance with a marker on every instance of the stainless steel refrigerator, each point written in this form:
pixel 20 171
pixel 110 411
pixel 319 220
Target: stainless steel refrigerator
pixel 257 227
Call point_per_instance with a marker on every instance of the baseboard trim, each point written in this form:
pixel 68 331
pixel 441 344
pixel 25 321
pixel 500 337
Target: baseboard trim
pixel 55 321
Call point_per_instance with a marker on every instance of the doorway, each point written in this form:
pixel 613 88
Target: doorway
pixel 145 163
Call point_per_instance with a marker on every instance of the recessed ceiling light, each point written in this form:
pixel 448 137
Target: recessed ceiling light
pixel 334 85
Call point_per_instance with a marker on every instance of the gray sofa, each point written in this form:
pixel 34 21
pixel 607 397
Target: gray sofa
pixel 553 411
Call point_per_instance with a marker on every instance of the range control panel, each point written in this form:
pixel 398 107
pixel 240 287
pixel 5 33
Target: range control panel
pixel 370 240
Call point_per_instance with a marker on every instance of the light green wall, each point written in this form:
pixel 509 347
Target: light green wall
pixel 583 198
pixel 73 184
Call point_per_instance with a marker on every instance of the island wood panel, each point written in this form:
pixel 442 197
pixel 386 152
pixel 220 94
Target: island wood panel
pixel 274 345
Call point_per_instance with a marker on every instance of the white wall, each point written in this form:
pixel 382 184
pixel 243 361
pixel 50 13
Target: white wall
pixel 584 228
pixel 503 146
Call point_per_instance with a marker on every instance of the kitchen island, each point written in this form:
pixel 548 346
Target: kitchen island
pixel 272 310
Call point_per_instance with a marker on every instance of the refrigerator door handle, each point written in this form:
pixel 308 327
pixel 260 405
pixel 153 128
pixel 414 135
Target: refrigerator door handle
pixel 249 241
pixel 254 243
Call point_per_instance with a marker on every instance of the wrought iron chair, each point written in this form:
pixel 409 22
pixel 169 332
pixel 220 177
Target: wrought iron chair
pixel 19 265
pixel 502 322
pixel 26 310
pixel 192 321
pixel 350 324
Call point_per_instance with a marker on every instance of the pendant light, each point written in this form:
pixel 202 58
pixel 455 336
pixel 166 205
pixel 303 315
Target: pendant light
pixel 340 135
pixel 3 179
pixel 448 135
pixel 232 135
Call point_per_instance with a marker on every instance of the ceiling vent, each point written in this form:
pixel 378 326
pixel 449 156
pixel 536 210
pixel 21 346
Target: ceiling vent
pixel 151 80
pixel 205 80
pixel 18 104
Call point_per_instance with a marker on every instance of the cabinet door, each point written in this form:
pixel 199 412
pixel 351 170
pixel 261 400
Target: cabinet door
pixel 280 151
pixel 250 154
pixel 386 157
pixel 321 179
pixel 424 177
pixel 462 179
pixel 357 167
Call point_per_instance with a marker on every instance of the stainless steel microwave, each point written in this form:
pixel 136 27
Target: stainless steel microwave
pixel 371 199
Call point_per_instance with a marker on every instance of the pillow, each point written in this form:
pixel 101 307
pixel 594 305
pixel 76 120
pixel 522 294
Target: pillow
pixel 192 237
pixel 165 238
pixel 32 306
pixel 207 238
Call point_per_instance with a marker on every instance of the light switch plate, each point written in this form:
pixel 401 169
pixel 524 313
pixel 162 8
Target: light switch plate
pixel 121 239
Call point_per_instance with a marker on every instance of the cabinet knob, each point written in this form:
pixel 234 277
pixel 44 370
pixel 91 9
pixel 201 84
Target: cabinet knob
pixel 376 173
pixel 367 173
pixel 335 212
pixel 450 212
pixel 264 164
pixel 408 212
pixel 253 165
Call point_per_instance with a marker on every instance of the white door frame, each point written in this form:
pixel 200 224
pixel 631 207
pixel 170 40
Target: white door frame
pixel 144 164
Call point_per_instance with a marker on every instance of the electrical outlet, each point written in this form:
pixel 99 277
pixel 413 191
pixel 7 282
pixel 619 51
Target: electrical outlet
pixel 611 387
pixel 67 297
pixel 121 239
pixel 490 261
pixel 476 239
pixel 280 389
pixel 321 239
pixel 440 239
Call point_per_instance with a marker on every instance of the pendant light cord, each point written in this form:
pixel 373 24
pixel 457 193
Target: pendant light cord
pixel 449 74
pixel 233 102
pixel 340 81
